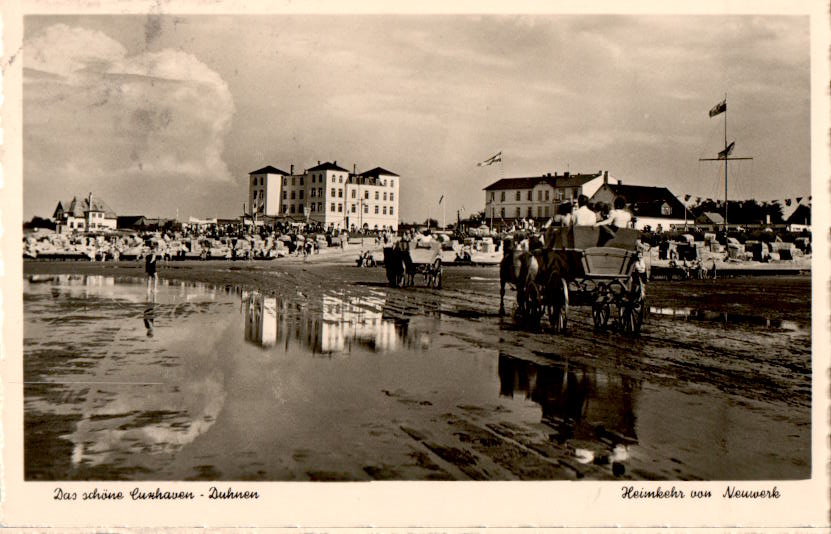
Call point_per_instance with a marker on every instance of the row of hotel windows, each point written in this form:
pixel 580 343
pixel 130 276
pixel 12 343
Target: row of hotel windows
pixel 318 208
pixel 542 211
pixel 260 180
pixel 319 192
pixel 559 194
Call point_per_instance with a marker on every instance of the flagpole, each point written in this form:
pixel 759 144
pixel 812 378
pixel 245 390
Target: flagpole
pixel 725 164
pixel 443 215
pixel 722 108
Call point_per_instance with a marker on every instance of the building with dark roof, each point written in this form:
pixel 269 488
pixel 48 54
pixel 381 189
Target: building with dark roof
pixel 538 197
pixel 650 206
pixel 84 214
pixel 327 166
pixel 801 215
pixel 328 194
pixel 709 218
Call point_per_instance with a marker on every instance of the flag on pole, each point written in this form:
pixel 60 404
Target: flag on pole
pixel 442 198
pixel 719 108
pixel 727 151
pixel 496 158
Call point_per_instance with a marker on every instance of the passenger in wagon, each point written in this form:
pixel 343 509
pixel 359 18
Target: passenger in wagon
pixel 583 216
pixel 619 217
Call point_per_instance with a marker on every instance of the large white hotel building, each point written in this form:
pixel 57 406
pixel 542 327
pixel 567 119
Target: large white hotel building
pixel 327 194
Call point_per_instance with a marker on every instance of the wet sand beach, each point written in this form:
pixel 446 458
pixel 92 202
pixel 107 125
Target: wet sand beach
pixel 316 370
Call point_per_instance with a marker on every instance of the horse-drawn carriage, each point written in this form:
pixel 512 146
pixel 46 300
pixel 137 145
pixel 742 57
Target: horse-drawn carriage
pixel 580 265
pixel 407 259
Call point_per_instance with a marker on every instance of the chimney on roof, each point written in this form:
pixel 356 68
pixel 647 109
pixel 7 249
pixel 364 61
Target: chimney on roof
pixel 318 162
pixel 565 174
pixel 89 201
pixel 291 169
pixel 605 177
pixel 336 162
pixel 354 168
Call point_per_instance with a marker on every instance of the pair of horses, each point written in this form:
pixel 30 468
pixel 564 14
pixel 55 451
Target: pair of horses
pixel 539 275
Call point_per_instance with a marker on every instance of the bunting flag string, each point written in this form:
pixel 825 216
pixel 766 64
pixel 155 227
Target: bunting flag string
pixel 691 200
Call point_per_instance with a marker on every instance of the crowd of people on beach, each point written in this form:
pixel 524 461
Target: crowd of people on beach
pixel 263 241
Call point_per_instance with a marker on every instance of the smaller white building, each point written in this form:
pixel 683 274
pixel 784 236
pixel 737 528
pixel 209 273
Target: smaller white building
pixel 655 207
pixel 84 215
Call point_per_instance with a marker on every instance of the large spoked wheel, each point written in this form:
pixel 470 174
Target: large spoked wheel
pixel 634 309
pixel 601 308
pixel 558 304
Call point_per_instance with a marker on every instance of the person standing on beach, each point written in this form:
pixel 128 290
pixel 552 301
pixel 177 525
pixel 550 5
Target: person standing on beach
pixel 150 269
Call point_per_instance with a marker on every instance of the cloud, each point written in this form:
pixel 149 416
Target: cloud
pixel 95 114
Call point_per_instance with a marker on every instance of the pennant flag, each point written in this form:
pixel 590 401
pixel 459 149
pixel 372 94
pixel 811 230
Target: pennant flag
pixel 496 158
pixel 799 199
pixel 719 108
pixel 787 202
pixel 726 152
pixel 442 198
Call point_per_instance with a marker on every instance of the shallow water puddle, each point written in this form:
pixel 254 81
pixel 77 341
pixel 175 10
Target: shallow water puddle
pixel 187 381
pixel 728 319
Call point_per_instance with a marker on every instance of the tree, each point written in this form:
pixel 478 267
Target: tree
pixel 39 222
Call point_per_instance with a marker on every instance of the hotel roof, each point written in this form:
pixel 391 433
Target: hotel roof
pixel 269 170
pixel 377 171
pixel 328 166
pixel 554 180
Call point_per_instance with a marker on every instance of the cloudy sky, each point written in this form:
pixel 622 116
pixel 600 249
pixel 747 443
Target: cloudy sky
pixel 156 114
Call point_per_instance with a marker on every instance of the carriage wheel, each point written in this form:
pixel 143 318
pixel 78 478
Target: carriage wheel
pixel 600 313
pixel 437 273
pixel 558 304
pixel 634 309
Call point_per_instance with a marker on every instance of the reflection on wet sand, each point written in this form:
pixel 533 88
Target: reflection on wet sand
pixel 728 319
pixel 331 324
pixel 586 408
pixel 130 395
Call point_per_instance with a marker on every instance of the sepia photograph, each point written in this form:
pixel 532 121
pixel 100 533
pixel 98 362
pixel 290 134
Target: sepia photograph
pixel 417 247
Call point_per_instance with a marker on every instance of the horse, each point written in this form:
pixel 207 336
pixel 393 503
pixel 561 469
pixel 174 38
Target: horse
pixel 518 267
pixel 399 265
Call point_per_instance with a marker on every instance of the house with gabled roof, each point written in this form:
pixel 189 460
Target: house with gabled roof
pixel 650 206
pixel 710 219
pixel 537 197
pixel 85 214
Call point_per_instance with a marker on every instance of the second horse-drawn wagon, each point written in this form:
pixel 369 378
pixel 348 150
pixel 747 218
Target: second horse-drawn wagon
pixel 407 259
pixel 579 266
